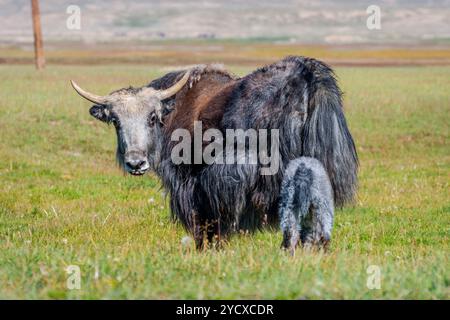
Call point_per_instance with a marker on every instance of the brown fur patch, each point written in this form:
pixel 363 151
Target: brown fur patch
pixel 204 101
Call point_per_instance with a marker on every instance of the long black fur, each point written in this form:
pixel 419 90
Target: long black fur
pixel 300 97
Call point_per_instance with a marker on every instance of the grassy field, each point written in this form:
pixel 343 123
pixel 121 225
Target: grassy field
pixel 232 52
pixel 63 201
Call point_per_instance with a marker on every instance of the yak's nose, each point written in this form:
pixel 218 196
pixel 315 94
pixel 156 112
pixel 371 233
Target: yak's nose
pixel 137 165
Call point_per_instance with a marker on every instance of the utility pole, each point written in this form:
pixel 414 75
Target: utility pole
pixel 37 32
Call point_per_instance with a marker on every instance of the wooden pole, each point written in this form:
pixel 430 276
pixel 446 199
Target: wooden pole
pixel 37 32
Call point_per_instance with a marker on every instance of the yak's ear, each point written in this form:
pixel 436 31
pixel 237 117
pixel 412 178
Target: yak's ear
pixel 99 112
pixel 166 108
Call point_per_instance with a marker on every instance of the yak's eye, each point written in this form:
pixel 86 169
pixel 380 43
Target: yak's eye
pixel 152 118
pixel 115 121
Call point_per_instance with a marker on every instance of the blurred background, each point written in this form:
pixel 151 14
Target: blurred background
pixel 253 31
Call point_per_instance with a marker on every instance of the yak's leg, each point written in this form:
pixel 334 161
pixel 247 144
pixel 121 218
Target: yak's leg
pixel 206 232
pixel 291 238
pixel 196 230
pixel 326 222
pixel 203 235
pixel 209 228
pixel 317 225
pixel 289 225
pixel 308 231
pixel 214 233
pixel 199 231
pixel 291 231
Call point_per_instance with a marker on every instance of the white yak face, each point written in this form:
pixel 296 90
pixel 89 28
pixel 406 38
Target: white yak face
pixel 136 114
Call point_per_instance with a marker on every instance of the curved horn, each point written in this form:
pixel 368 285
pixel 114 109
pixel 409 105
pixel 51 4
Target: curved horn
pixel 89 96
pixel 164 94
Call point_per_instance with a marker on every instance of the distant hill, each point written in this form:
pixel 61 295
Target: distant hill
pixel 285 21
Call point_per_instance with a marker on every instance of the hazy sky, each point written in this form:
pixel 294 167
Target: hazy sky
pixel 290 20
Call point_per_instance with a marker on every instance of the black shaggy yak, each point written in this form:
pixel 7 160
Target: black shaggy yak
pixel 298 96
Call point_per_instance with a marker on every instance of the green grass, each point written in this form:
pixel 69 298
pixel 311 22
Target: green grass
pixel 230 51
pixel 63 201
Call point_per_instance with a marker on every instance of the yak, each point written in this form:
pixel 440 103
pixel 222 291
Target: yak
pixel 298 96
pixel 306 205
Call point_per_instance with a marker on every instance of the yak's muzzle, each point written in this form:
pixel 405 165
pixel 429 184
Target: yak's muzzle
pixel 136 163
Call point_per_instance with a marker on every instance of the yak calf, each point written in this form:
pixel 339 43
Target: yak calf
pixel 306 204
